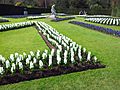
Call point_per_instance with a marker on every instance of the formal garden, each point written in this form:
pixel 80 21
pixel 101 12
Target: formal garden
pixel 54 51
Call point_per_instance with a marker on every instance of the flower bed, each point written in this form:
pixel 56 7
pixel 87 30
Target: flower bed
pixel 6 27
pixel 62 19
pixel 107 21
pixel 97 28
pixel 65 56
pixel 3 20
pixel 35 17
pixel 98 16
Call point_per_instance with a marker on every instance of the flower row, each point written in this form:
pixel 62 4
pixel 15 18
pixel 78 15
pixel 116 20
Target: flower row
pixel 107 21
pixel 98 16
pixel 98 28
pixel 67 48
pixel 6 27
pixel 35 17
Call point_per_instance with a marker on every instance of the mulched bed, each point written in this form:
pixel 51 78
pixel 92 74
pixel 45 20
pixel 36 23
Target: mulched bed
pixel 36 74
pixel 49 71
pixel 62 19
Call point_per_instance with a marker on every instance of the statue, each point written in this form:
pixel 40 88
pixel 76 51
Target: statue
pixel 53 12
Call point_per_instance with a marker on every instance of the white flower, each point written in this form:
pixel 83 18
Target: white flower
pixel 1 70
pixel 65 57
pixel 50 60
pixel 2 59
pixel 21 57
pixel 38 54
pixel 34 60
pixel 88 56
pixel 7 64
pixel 52 52
pixel 31 65
pixel 72 55
pixel 29 57
pixel 44 56
pixel 79 54
pixel 31 53
pixel 18 60
pixel 40 64
pixel 27 61
pixel 95 58
pixel 58 59
pixel 20 66
pixel 84 50
pixel 13 65
pixel 24 54
pixel 12 57
pixel 16 55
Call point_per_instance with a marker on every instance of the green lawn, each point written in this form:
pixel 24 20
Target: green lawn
pixel 105 47
pixel 21 40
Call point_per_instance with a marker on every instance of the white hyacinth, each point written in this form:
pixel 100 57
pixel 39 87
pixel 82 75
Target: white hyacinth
pixel 34 60
pixel 84 50
pixel 44 56
pixel 31 65
pixel 24 54
pixel 95 58
pixel 72 55
pixel 20 66
pixel 29 57
pixel 2 59
pixel 58 59
pixel 16 55
pixel 21 57
pixel 79 54
pixel 12 57
pixel 7 64
pixel 88 56
pixel 52 52
pixel 40 64
pixel 65 57
pixel 1 70
pixel 31 53
pixel 18 60
pixel 38 54
pixel 50 60
pixel 27 61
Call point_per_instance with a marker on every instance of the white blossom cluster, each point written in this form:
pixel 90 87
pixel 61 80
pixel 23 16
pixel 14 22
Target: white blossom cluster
pixel 66 51
pixel 107 21
pixel 35 17
pixel 15 25
pixel 65 46
pixel 21 61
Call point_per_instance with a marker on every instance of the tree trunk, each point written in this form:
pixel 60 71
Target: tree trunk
pixel 116 8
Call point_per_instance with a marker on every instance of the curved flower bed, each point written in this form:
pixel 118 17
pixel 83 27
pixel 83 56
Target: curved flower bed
pixel 97 28
pixel 3 20
pixel 107 21
pixel 67 57
pixel 62 19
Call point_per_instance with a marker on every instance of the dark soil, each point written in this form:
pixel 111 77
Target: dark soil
pixel 36 74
